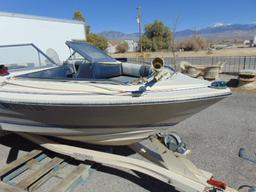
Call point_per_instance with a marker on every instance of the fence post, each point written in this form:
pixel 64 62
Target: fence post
pixel 254 63
pixel 244 62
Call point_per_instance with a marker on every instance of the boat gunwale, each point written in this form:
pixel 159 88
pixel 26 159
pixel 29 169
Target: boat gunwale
pixel 119 104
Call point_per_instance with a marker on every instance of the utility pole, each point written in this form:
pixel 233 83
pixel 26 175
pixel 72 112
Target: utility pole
pixel 195 32
pixel 139 17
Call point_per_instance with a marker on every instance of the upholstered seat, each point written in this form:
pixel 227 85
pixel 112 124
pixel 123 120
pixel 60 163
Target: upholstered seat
pixel 84 71
pixel 136 70
pixel 99 70
pixel 104 70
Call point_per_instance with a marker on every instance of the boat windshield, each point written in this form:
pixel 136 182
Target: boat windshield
pixel 23 57
pixel 90 53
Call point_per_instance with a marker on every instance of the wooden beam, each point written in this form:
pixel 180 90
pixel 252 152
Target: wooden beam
pixel 19 170
pixel 80 172
pixel 25 183
pixel 19 162
pixel 9 188
pixel 44 179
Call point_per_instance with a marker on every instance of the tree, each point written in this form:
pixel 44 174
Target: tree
pixel 146 44
pixel 193 44
pixel 122 47
pixel 173 46
pixel 78 16
pixel 97 41
pixel 87 29
pixel 156 36
pixel 94 39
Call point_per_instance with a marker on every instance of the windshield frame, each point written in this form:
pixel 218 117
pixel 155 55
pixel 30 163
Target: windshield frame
pixel 88 57
pixel 35 47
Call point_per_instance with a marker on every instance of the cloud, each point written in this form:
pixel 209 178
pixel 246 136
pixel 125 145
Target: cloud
pixel 220 24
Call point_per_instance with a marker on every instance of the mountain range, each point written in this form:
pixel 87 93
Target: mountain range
pixel 220 31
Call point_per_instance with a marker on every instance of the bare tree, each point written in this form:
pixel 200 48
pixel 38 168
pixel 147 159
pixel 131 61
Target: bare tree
pixel 173 46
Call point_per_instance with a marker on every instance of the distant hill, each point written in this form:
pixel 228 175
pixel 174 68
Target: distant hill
pixel 241 31
pixel 230 31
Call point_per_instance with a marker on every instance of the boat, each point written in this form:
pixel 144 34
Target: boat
pixel 93 98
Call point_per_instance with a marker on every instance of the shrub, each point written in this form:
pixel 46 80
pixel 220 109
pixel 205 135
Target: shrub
pixel 146 44
pixel 122 47
pixel 97 41
pixel 193 44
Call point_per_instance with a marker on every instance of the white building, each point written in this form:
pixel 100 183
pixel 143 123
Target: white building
pixel 254 40
pixel 111 47
pixel 133 45
pixel 44 32
pixel 249 43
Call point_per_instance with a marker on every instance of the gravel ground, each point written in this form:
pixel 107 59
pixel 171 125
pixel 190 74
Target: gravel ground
pixel 214 136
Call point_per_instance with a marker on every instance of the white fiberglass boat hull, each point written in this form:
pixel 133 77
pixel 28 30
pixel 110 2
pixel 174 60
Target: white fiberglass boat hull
pixel 101 119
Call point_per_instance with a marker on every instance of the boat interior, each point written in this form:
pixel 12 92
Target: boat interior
pixel 86 63
pixel 81 70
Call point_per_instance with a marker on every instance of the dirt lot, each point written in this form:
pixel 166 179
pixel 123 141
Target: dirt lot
pixel 223 52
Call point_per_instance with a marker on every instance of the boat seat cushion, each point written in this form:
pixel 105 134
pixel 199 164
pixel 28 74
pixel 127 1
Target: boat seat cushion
pixel 84 71
pixel 98 70
pixel 107 70
pixel 136 70
pixel 101 70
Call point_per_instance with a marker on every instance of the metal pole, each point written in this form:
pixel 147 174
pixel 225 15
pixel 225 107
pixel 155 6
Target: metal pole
pixel 244 62
pixel 139 18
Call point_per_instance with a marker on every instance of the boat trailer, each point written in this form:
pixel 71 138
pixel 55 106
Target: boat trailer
pixel 169 162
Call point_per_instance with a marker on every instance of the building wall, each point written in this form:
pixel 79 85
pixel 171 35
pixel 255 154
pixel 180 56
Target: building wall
pixel 133 45
pixel 111 48
pixel 45 33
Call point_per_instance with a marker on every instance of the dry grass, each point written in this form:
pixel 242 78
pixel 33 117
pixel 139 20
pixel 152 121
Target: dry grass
pixel 223 52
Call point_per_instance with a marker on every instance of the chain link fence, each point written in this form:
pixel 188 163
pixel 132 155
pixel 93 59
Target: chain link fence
pixel 233 64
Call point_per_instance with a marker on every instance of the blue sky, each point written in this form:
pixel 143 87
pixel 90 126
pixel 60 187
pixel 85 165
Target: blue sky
pixel 120 15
